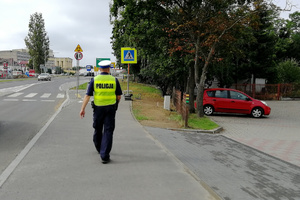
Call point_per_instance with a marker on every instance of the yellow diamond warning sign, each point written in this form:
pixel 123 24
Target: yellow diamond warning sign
pixel 78 48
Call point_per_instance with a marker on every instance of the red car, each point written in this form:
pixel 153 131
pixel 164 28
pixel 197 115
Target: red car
pixel 232 101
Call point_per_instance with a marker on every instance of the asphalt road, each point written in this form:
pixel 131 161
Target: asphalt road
pixel 250 159
pixel 276 134
pixel 25 107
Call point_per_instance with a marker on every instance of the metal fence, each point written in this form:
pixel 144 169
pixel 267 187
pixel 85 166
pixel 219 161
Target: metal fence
pixel 270 91
pixel 258 91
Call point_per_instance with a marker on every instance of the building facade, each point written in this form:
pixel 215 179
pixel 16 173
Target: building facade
pixel 64 62
pixel 14 57
pixel 19 58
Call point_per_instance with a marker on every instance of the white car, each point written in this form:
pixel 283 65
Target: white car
pixel 44 76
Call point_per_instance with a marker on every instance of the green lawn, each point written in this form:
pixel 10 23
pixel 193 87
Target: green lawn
pixel 143 90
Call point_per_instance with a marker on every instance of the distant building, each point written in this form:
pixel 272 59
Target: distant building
pixel 19 58
pixel 64 62
pixel 14 57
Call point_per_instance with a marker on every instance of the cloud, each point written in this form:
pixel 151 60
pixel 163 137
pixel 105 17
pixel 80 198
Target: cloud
pixel 67 23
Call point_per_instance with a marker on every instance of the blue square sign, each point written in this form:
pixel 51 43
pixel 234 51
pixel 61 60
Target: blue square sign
pixel 128 55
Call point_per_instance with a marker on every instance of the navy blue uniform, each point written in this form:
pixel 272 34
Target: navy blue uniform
pixel 104 122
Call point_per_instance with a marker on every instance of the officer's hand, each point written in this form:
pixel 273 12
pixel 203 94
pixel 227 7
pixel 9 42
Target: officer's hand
pixel 82 113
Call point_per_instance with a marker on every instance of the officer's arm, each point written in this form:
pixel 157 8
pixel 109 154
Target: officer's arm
pixel 84 103
pixel 118 98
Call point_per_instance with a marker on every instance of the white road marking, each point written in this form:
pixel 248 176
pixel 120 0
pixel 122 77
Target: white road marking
pixel 48 100
pixel 10 99
pixel 46 95
pixel 60 96
pixel 15 94
pixel 31 95
pixel 29 100
pixel 28 97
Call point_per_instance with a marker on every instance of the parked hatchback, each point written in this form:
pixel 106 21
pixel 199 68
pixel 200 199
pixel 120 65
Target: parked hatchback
pixel 233 101
pixel 44 76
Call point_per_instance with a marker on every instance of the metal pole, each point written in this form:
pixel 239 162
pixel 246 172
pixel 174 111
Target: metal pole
pixel 6 70
pixel 128 80
pixel 77 77
pixel 13 66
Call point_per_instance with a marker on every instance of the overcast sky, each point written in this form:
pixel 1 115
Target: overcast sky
pixel 67 23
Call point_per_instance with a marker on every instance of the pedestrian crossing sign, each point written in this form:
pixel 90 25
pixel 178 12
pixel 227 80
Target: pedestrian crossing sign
pixel 128 55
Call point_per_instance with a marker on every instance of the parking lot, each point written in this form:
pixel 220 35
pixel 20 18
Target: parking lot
pixel 277 134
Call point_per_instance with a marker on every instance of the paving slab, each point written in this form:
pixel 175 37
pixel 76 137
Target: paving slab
pixel 277 134
pixel 233 170
pixel 63 164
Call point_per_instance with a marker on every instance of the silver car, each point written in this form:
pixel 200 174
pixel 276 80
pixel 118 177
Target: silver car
pixel 44 76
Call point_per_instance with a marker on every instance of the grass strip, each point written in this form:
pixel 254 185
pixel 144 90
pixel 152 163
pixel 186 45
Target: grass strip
pixel 146 91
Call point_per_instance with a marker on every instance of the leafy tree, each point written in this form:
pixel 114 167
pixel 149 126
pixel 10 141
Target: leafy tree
pixel 37 41
pixel 186 40
pixel 288 71
pixel 283 41
pixel 58 70
pixel 142 25
pixel 294 46
pixel 295 22
pixel 209 26
pixel 262 49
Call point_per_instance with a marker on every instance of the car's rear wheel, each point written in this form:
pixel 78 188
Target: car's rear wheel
pixel 257 112
pixel 208 110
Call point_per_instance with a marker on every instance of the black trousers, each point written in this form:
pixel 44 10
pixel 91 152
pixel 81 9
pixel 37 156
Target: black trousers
pixel 104 126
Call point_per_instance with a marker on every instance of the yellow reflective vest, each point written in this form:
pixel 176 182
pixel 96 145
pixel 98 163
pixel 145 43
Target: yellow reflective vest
pixel 104 90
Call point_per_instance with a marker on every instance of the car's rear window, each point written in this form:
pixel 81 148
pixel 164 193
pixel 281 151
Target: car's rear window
pixel 221 93
pixel 210 93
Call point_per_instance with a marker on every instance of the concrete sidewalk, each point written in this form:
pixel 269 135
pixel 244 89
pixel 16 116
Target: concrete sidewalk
pixel 63 164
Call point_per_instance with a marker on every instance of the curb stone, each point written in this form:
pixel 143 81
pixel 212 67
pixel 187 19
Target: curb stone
pixel 213 131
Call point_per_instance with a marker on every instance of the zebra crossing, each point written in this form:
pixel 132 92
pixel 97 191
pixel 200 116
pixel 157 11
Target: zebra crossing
pixel 16 88
pixel 31 97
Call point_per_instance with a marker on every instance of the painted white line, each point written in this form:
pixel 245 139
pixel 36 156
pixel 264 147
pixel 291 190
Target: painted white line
pixel 17 88
pixel 30 95
pixel 48 100
pixel 20 88
pixel 46 95
pixel 60 96
pixel 15 94
pixel 29 100
pixel 10 99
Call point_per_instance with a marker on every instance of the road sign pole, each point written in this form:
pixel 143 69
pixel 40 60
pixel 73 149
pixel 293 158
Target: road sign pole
pixel 78 56
pixel 128 79
pixel 128 55
pixel 77 77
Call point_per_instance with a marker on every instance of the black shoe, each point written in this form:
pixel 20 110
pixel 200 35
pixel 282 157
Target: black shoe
pixel 105 161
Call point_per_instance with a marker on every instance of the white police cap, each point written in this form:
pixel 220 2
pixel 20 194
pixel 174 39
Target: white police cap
pixel 104 64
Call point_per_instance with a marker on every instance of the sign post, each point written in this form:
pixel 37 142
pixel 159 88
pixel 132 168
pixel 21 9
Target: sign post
pixel 78 56
pixel 128 55
pixel 5 64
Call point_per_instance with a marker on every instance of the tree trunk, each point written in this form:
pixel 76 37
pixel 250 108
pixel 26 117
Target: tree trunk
pixel 191 89
pixel 201 90
pixel 202 82
pixel 196 67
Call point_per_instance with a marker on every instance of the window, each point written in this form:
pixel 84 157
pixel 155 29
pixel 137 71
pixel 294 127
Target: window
pixel 237 95
pixel 210 93
pixel 221 93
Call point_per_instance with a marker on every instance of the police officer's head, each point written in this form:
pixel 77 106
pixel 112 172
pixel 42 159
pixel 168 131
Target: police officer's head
pixel 105 65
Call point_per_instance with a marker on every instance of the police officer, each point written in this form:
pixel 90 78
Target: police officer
pixel 107 93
